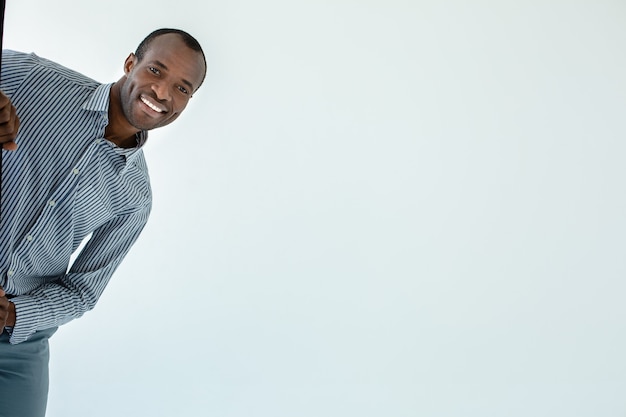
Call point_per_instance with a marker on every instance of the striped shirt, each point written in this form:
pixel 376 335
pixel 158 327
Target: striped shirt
pixel 64 183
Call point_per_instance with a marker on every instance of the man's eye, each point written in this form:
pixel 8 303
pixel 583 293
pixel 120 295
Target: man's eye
pixel 154 70
pixel 183 90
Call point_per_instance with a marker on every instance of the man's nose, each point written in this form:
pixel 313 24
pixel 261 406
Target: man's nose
pixel 162 91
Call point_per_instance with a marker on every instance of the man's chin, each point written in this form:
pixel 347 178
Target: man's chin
pixel 143 121
pixel 147 124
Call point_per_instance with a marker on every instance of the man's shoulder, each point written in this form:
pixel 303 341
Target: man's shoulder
pixel 24 62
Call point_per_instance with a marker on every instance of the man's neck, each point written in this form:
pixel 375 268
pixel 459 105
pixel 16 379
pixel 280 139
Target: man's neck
pixel 128 142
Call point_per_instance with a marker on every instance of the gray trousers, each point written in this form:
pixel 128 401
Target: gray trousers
pixel 24 375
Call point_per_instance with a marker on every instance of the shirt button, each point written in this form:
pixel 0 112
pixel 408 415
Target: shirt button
pixel 29 238
pixel 52 203
pixel 10 273
pixel 76 171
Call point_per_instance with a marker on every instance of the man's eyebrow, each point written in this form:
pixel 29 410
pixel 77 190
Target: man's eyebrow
pixel 162 65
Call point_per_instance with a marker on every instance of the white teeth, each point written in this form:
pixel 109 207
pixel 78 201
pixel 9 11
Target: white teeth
pixel 152 106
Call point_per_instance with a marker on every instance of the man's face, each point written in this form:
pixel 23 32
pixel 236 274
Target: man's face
pixel 158 87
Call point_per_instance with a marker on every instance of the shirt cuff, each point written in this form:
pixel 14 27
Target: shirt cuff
pixel 26 318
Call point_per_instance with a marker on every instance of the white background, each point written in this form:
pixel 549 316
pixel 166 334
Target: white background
pixel 371 208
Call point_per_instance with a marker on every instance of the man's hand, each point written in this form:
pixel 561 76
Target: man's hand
pixel 7 311
pixel 9 123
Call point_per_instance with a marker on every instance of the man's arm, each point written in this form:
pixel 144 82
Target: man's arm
pixel 77 292
pixel 16 66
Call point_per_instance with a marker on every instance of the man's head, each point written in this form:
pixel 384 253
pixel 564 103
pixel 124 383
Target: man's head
pixel 160 78
pixel 189 41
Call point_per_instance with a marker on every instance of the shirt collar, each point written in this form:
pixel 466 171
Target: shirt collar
pixel 129 153
pixel 99 100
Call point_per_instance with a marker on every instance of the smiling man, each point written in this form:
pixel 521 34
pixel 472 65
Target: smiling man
pixel 146 104
pixel 73 166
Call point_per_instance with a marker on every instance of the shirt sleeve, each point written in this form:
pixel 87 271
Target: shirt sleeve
pixel 77 292
pixel 15 68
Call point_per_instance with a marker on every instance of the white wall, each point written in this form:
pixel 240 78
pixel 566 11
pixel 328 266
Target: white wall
pixel 374 208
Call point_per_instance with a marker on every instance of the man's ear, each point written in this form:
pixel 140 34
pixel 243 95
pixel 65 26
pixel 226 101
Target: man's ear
pixel 130 63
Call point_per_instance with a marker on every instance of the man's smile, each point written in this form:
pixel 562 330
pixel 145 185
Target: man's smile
pixel 152 105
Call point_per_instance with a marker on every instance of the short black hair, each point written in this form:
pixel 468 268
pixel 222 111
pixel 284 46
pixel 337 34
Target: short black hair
pixel 189 40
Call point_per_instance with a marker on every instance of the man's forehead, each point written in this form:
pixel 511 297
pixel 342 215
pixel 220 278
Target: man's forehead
pixel 172 44
pixel 166 43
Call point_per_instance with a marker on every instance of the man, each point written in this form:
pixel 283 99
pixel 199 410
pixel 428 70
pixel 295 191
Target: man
pixel 73 165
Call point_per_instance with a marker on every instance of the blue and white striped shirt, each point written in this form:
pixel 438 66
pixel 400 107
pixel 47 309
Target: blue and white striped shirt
pixel 64 183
